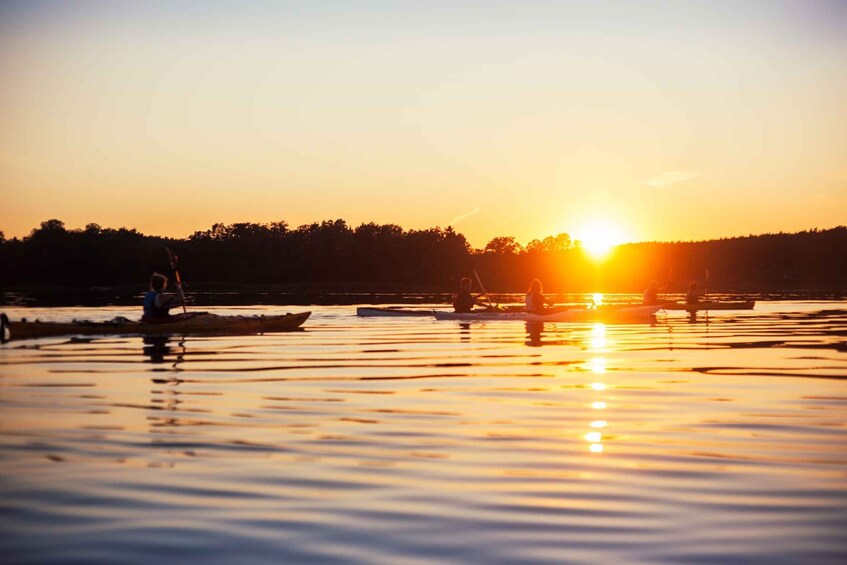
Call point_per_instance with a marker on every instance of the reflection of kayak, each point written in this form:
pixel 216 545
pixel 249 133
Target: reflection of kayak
pixel 202 323
pixel 746 305
pixel 399 312
pixel 637 312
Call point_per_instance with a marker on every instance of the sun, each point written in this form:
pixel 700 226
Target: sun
pixel 599 237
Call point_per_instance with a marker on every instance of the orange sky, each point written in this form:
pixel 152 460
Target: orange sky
pixel 705 120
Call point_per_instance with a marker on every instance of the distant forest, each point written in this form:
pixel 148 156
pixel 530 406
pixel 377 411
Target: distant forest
pixel 333 255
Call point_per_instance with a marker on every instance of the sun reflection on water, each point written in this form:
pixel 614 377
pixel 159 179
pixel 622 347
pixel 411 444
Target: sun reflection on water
pixel 598 340
pixel 597 365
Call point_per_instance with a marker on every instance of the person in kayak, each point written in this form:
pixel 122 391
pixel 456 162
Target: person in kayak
pixel 651 294
pixel 693 295
pixel 157 303
pixel 535 302
pixel 463 300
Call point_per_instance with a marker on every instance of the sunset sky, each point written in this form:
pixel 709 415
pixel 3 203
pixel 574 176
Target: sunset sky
pixel 654 120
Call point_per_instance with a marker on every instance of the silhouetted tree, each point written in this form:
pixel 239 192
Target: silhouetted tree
pixel 331 252
pixel 503 246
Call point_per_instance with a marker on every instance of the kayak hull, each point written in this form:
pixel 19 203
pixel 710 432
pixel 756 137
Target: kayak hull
pixel 602 314
pixel 368 312
pixel 745 305
pixel 200 324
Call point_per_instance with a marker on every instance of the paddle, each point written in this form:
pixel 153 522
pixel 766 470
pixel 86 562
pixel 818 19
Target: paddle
pixel 668 281
pixel 173 261
pixel 479 282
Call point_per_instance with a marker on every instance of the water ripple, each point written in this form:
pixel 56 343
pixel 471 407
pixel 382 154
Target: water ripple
pixel 706 440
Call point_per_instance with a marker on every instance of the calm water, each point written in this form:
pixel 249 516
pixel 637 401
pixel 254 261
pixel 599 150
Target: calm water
pixel 414 441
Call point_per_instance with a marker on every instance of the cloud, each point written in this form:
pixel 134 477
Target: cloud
pixel 464 216
pixel 670 177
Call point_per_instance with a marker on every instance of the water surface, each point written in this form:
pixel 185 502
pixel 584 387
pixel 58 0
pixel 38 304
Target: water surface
pixel 390 440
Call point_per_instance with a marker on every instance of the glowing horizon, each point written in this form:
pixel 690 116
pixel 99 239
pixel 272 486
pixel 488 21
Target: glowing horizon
pixel 168 118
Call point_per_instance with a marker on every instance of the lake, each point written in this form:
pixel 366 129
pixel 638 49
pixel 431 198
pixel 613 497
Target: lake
pixel 389 440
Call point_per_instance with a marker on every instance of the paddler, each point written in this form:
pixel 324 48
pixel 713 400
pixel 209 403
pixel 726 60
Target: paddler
pixel 157 303
pixel 535 303
pixel 463 300
pixel 693 295
pixel 651 295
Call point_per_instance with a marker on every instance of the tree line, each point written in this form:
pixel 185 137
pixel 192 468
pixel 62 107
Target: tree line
pixel 332 254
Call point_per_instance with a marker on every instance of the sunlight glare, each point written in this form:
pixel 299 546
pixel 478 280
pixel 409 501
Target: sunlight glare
pixel 599 237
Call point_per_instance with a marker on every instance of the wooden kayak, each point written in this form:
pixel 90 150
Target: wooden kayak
pixel 744 305
pixel 370 312
pixel 202 323
pixel 638 312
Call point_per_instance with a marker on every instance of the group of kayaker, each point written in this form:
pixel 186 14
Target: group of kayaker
pixel 157 304
pixel 651 294
pixel 535 303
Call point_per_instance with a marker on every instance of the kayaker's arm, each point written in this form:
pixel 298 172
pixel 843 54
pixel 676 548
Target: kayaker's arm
pixel 168 301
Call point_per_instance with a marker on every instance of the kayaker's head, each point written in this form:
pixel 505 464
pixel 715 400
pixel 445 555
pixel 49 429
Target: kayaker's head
pixel 535 286
pixel 692 285
pixel 653 285
pixel 158 282
pixel 465 284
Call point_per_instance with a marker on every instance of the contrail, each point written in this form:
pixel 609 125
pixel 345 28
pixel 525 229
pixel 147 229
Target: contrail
pixel 464 216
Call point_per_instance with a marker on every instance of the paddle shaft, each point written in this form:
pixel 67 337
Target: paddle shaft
pixel 482 287
pixel 173 261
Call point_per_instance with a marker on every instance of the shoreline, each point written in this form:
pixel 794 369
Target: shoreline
pixel 327 295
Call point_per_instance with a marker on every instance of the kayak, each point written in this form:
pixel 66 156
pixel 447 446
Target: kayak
pixel 202 323
pixel 368 312
pixel 745 305
pixel 637 312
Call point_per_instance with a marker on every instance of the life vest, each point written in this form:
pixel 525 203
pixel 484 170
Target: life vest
pixel 463 301
pixel 151 311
